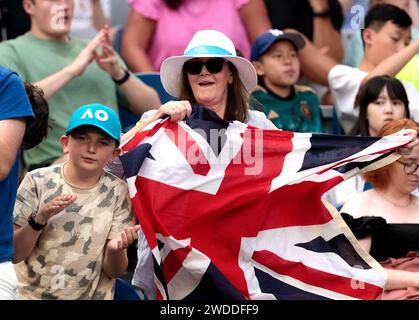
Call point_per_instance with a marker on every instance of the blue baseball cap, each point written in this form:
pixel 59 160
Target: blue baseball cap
pixel 99 116
pixel 265 41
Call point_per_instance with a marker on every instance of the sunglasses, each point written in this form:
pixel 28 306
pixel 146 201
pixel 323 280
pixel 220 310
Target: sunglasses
pixel 214 65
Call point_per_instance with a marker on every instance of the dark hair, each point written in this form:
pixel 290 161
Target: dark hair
pixel 370 92
pixel 380 14
pixel 173 4
pixel 37 130
pixel 380 178
pixel 237 96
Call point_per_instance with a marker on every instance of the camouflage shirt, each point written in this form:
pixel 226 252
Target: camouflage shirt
pixel 66 262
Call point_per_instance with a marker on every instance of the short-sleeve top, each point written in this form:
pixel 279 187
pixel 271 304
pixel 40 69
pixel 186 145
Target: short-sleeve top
pixel 66 262
pixel 175 28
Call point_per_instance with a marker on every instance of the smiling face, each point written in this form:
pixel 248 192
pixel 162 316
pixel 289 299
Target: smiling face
pixel 89 149
pixel 210 89
pixel 50 19
pixel 383 110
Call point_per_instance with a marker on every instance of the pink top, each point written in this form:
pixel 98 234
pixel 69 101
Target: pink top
pixel 175 28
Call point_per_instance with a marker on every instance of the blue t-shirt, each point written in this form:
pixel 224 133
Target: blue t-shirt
pixel 14 103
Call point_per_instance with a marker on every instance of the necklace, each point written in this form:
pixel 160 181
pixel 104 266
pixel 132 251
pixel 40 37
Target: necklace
pixel 397 204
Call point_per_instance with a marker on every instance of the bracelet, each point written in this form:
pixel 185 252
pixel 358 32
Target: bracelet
pixel 140 124
pixel 124 78
pixel 322 14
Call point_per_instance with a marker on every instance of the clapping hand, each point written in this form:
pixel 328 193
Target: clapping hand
pixel 124 239
pixel 107 58
pixel 53 207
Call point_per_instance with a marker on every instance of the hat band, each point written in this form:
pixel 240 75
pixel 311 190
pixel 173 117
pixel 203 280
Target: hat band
pixel 207 50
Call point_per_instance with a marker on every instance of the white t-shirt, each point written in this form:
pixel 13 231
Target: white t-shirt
pixel 344 83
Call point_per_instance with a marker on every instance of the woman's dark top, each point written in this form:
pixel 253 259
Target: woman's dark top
pixel 388 240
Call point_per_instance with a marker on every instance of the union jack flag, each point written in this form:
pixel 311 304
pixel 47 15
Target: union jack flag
pixel 234 212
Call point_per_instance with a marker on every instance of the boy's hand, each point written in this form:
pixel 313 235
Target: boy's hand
pixel 124 239
pixel 53 207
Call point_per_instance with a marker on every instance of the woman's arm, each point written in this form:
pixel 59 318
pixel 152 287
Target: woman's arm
pixel 255 18
pixel 137 36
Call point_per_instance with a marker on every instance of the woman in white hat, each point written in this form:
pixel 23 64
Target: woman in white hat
pixel 211 75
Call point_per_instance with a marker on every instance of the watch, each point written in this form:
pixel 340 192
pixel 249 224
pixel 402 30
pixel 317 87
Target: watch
pixel 35 225
pixel 124 78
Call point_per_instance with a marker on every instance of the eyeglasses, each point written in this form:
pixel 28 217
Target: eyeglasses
pixel 409 168
pixel 214 65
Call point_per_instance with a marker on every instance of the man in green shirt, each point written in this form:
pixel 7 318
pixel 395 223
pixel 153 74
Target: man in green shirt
pixel 70 71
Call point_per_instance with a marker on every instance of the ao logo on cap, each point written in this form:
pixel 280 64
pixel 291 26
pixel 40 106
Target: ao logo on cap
pixel 100 115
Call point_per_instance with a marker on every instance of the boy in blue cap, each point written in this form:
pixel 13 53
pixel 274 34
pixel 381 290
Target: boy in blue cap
pixel 73 221
pixel 289 106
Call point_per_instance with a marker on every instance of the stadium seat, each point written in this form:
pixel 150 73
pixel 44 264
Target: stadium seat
pixel 124 291
pixel 128 119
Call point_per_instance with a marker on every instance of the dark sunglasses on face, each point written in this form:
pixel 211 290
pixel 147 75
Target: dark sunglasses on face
pixel 214 65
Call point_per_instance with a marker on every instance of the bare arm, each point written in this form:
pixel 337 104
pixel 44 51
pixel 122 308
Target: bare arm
pixel 325 36
pixel 115 261
pixel 346 5
pixel 25 237
pixel 396 279
pixel 99 19
pixel 400 279
pixel 11 135
pixel 255 18
pixel 24 241
pixel 315 65
pixel 137 36
pixel 393 64
pixel 140 96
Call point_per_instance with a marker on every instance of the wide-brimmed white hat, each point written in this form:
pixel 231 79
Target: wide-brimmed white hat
pixel 204 44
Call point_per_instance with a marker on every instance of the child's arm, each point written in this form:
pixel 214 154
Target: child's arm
pixel 25 237
pixel 115 261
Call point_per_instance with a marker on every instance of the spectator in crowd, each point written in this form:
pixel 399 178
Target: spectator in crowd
pixel 386 33
pixel 387 50
pixel 386 219
pixel 319 20
pixel 65 72
pixel 381 100
pixel 289 106
pixel 37 130
pixel 15 129
pixel 211 76
pixel 352 39
pixel 73 221
pixel 157 29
